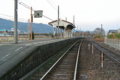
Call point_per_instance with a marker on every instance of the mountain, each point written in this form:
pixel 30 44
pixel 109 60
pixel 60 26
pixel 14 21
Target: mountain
pixel 22 26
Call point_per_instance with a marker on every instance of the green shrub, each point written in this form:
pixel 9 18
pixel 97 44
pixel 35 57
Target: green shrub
pixel 114 36
pixel 117 35
pixel 110 36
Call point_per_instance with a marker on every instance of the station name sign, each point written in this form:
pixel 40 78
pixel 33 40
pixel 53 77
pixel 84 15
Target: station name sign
pixel 38 14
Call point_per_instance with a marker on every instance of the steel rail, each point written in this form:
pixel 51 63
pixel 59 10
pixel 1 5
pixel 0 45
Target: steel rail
pixel 105 48
pixel 110 56
pixel 76 66
pixel 57 62
pixel 106 51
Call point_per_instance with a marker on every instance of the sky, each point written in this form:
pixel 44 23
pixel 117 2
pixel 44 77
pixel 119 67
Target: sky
pixel 89 14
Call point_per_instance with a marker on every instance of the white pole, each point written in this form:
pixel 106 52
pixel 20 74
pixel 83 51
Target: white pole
pixel 102 59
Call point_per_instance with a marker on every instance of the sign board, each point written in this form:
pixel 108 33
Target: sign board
pixel 38 14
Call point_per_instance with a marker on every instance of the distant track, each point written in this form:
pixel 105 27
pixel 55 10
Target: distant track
pixel 110 54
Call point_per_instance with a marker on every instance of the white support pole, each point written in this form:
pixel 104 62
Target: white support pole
pixel 92 49
pixel 58 23
pixel 102 59
pixel 89 46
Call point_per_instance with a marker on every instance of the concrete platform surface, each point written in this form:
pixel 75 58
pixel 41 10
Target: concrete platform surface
pixel 11 54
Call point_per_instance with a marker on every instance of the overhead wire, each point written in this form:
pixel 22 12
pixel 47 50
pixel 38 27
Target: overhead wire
pixel 23 4
pixel 9 17
pixel 28 7
pixel 54 6
pixel 5 15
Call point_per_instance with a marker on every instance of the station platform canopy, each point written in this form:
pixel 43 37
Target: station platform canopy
pixel 63 24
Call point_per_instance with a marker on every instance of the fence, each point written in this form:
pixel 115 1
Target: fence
pixel 23 37
pixel 115 43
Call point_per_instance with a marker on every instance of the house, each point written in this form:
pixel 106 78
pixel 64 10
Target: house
pixel 112 31
pixel 100 31
pixel 118 30
pixel 3 32
pixel 11 31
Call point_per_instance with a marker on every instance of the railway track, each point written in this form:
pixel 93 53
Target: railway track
pixel 66 66
pixel 110 54
pixel 82 66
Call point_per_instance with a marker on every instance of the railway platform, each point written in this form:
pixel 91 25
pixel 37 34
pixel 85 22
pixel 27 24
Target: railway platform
pixel 86 60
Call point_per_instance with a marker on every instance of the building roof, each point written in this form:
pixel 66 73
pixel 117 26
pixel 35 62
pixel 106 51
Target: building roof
pixel 62 24
pixel 60 20
pixel 3 30
pixel 112 31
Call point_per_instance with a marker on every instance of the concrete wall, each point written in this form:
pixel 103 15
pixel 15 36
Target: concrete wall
pixel 115 43
pixel 34 57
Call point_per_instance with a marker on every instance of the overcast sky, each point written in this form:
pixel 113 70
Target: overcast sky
pixel 89 14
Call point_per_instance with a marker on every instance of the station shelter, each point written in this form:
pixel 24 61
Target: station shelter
pixel 65 26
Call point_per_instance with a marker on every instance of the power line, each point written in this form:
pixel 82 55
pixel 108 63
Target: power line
pixel 5 16
pixel 47 17
pixel 28 7
pixel 54 6
pixel 23 4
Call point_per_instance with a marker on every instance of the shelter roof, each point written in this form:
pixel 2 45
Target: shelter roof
pixel 62 23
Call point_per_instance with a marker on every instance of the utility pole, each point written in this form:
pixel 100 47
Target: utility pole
pixel 74 25
pixel 66 18
pixel 15 21
pixel 58 21
pixel 101 29
pixel 74 20
pixel 31 20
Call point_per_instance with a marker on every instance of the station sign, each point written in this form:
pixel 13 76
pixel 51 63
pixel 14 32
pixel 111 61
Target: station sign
pixel 38 14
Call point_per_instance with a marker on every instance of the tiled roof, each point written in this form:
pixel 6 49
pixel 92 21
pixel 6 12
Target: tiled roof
pixel 61 20
pixel 113 31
